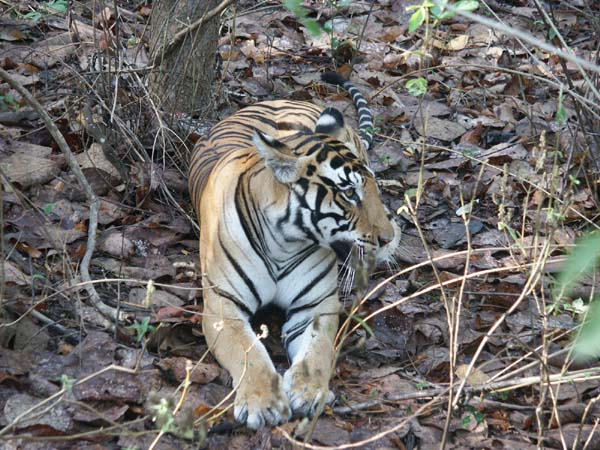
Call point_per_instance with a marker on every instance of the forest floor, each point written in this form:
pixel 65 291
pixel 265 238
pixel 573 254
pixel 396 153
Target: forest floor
pixel 489 156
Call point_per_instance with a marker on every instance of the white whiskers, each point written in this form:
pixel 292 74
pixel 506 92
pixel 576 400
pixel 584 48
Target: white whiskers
pixel 347 274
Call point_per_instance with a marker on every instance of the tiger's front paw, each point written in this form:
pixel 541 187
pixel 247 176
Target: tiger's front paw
pixel 307 387
pixel 261 403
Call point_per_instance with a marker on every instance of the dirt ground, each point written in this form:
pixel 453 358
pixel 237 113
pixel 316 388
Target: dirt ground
pixel 487 149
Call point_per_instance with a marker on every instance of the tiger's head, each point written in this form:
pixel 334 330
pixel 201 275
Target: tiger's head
pixel 335 199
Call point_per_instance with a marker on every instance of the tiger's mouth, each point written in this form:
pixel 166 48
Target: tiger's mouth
pixel 363 253
pixel 355 255
pixel 342 249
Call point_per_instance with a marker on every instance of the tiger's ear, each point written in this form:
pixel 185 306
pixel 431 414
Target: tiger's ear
pixel 277 157
pixel 331 122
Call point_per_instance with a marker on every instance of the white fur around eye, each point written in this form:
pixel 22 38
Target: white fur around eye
pixel 356 179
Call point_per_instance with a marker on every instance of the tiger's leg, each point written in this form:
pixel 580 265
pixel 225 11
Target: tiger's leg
pixel 309 336
pixel 260 399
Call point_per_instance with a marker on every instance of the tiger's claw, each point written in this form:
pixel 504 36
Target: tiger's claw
pixel 257 408
pixel 307 390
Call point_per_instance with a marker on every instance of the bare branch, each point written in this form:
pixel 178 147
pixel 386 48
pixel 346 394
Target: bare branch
pixel 105 310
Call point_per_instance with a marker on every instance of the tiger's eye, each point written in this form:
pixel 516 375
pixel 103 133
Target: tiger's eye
pixel 350 194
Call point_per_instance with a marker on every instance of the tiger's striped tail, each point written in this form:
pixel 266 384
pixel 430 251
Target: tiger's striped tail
pixel 365 115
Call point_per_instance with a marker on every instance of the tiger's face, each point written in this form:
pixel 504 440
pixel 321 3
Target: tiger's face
pixel 346 210
pixel 339 205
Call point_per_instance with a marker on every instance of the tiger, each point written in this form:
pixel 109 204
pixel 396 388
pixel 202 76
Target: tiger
pixel 283 192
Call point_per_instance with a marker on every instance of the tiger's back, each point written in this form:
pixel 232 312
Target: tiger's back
pixel 234 134
pixel 280 119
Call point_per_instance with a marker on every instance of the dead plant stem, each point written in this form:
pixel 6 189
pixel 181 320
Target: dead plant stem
pixel 106 311
pixel 534 277
pixel 516 176
pixel 527 37
pixel 186 385
pixel 474 390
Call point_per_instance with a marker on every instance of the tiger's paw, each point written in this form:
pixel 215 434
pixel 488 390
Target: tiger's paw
pixel 261 404
pixel 307 388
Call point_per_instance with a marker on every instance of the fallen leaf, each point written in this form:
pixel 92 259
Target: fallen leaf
pixel 201 373
pixel 28 170
pixel 12 274
pixel 116 244
pixel 56 417
pixel 159 298
pixel 476 377
pixel 94 157
pixel 445 130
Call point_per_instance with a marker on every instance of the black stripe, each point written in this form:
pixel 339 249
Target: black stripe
pixel 241 273
pixel 230 132
pixel 295 332
pixel 321 194
pixel 299 258
pixel 341 228
pixel 286 216
pixel 310 285
pixel 314 303
pixel 300 224
pixel 239 303
pixel 252 232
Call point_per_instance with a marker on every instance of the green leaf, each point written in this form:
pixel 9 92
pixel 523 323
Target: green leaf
pixel 440 13
pixel 417 86
pixel 312 26
pixel 411 193
pixel 296 7
pixel 34 16
pixel 445 15
pixel 187 434
pixel 335 43
pixel 588 342
pixel 582 261
pixel 365 325
pixel 470 152
pixel 8 101
pixel 561 115
pixel 58 5
pixel 342 3
pixel 577 306
pixel 133 41
pixel 438 9
pixel 168 425
pixel 142 328
pixel 48 208
pixel 513 234
pixel 479 417
pixel 467 5
pixel 416 20
pixel 466 421
pixel 67 382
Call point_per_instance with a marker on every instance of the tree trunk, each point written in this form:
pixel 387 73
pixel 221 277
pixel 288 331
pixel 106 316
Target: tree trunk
pixel 181 81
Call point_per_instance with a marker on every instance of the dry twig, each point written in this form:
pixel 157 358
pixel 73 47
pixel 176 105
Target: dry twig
pixel 106 311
